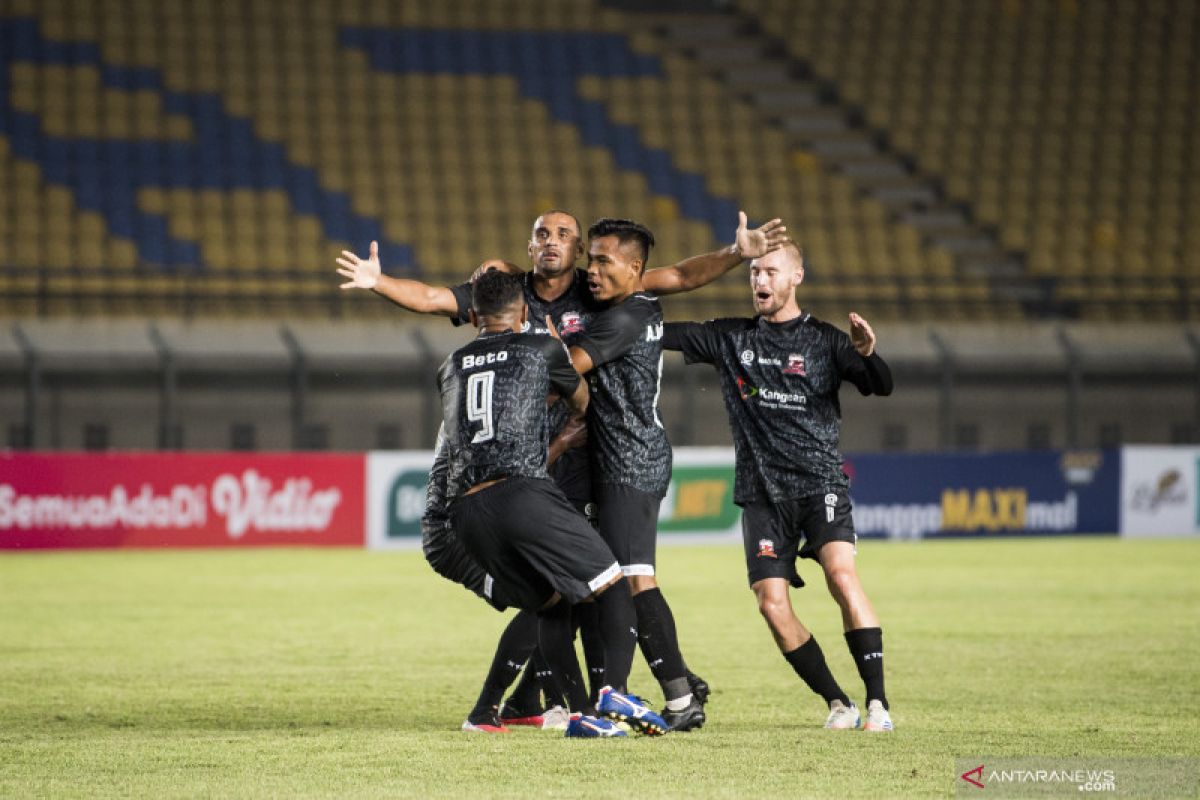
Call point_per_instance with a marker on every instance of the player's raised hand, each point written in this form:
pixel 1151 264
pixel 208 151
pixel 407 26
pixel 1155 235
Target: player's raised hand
pixel 861 335
pixel 764 239
pixel 361 273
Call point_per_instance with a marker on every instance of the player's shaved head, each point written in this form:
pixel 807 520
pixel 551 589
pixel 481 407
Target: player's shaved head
pixel 542 218
pixel 496 294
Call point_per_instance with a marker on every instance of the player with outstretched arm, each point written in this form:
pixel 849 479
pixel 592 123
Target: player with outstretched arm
pixel 780 372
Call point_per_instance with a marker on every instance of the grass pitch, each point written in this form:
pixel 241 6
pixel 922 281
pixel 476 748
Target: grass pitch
pixel 347 673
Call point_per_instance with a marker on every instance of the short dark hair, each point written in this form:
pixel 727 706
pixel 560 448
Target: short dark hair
pixel 626 230
pixel 494 291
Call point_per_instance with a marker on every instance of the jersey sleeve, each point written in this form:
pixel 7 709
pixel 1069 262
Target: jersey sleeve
pixel 871 375
pixel 563 377
pixel 614 331
pixel 462 295
pixel 699 342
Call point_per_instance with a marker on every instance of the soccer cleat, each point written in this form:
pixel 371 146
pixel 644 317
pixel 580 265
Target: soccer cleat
pixel 492 725
pixel 513 716
pixel 630 710
pixel 581 726
pixel 842 717
pixel 878 718
pixel 555 719
pixel 687 718
pixel 699 687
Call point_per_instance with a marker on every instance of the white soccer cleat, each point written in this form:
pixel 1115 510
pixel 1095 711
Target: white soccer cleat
pixel 841 717
pixel 555 719
pixel 878 718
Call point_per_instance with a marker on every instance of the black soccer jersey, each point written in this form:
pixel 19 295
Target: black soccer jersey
pixel 780 384
pixel 629 445
pixel 494 406
pixel 570 312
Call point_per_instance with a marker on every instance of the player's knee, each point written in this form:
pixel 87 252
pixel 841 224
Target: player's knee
pixel 843 581
pixel 774 610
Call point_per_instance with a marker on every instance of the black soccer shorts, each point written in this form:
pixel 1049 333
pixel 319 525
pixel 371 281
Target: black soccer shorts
pixel 446 554
pixel 771 533
pixel 526 535
pixel 629 525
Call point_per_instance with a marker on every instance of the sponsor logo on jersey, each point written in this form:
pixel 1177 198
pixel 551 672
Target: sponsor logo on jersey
pixel 654 332
pixel 795 365
pixel 771 396
pixel 571 322
pixel 766 549
pixel 783 398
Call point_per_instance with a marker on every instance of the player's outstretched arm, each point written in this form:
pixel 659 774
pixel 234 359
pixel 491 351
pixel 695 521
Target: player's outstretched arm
pixel 694 272
pixel 413 295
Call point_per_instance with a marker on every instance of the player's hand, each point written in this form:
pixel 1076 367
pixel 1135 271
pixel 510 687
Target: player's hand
pixel 496 263
pixel 573 434
pixel 764 239
pixel 361 273
pixel 861 335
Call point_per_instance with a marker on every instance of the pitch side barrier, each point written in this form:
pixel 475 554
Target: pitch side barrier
pixel 85 500
pixel 895 496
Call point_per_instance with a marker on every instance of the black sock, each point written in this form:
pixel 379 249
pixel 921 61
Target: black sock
pixel 866 645
pixel 557 646
pixel 809 663
pixel 512 651
pixel 525 700
pixel 587 617
pixel 618 630
pixel 656 636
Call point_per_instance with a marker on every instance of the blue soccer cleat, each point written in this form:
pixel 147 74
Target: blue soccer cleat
pixel 630 710
pixel 582 726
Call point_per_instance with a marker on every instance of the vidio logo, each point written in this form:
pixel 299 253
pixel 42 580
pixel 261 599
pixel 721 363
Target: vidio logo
pixel 406 504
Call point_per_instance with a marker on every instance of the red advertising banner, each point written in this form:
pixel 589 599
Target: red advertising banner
pixel 180 500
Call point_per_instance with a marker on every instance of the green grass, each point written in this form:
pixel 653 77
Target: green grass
pixel 347 673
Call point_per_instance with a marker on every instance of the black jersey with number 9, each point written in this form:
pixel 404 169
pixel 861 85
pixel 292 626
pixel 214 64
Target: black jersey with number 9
pixel 494 406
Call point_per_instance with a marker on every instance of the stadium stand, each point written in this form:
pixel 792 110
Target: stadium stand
pixel 1066 129
pixel 210 158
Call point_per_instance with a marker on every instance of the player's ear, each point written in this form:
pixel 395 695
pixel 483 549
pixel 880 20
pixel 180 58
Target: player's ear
pixel 471 315
pixel 524 314
pixel 798 276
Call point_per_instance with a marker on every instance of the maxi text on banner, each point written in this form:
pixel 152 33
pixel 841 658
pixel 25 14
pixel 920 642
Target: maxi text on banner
pixel 180 500
pixel 986 494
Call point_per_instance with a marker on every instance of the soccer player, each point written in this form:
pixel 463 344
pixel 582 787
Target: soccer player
pixel 621 355
pixel 780 372
pixel 556 288
pixel 503 506
pixel 517 645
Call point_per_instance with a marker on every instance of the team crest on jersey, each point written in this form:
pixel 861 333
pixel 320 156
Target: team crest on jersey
pixel 795 365
pixel 766 549
pixel 571 322
pixel 747 357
